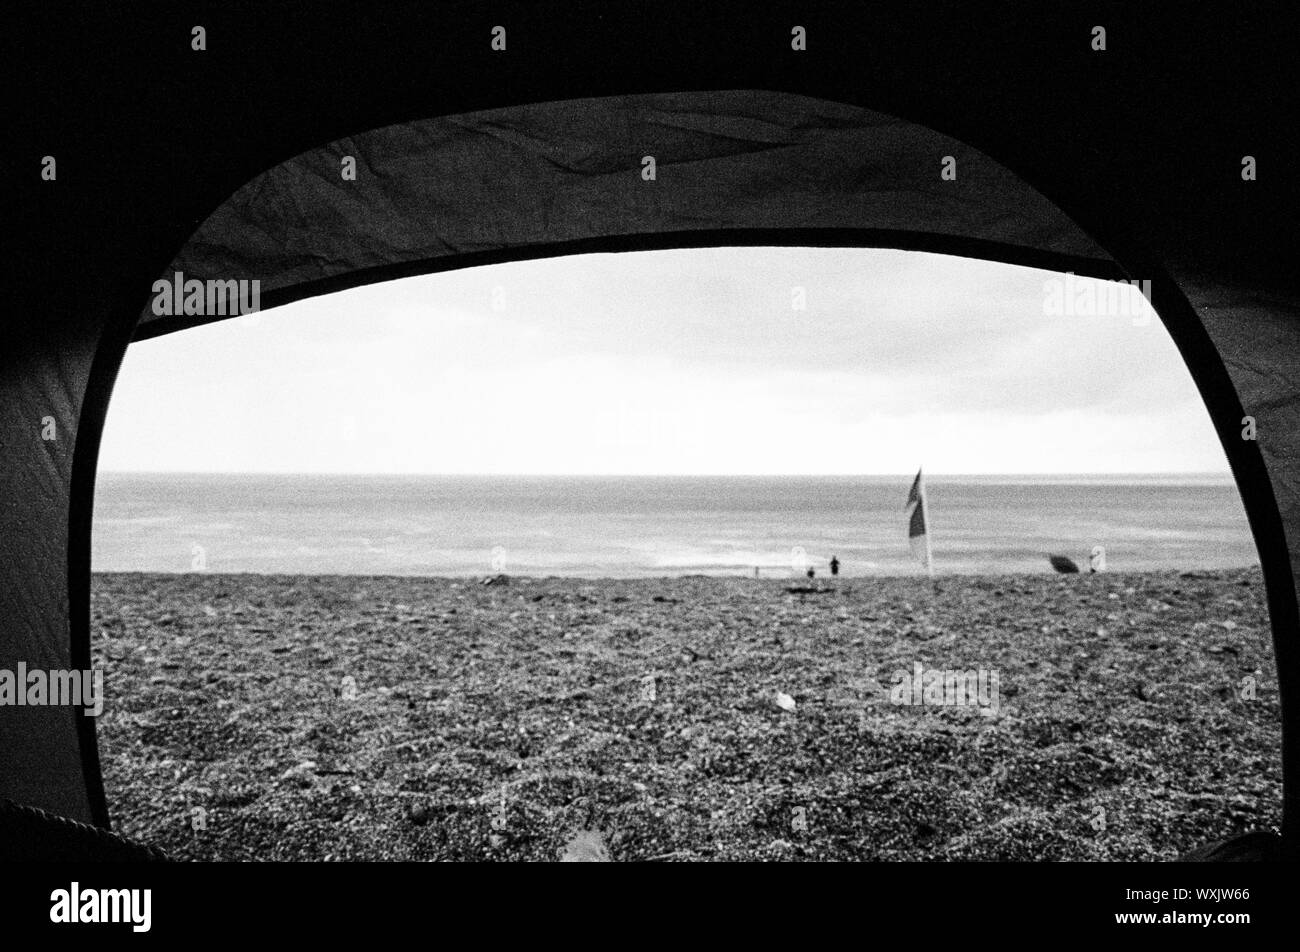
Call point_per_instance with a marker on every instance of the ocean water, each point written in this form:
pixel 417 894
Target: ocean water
pixel 599 526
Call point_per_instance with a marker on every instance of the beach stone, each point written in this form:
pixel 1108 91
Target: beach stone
pixel 418 815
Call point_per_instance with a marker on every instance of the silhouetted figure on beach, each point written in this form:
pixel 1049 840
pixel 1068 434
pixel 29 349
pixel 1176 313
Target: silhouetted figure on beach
pixel 812 572
pixel 835 565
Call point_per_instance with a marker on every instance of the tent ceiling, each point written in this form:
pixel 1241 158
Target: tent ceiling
pixel 562 172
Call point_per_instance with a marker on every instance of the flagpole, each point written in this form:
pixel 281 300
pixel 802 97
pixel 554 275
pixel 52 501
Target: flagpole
pixel 925 516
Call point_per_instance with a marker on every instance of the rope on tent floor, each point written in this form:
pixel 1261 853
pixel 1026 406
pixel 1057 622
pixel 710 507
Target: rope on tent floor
pixel 30 833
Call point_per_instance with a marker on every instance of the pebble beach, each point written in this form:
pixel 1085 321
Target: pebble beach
pixel 265 717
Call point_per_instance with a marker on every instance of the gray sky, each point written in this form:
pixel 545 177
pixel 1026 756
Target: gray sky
pixel 691 361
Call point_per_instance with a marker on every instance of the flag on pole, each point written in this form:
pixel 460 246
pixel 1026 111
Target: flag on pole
pixel 918 532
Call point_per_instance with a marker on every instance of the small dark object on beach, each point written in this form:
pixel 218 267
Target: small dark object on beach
pixel 496 580
pixel 418 815
pixel 811 573
pixel 835 565
pixel 1062 564
pixel 808 590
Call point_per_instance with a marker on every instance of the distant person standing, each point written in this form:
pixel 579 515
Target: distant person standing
pixel 835 565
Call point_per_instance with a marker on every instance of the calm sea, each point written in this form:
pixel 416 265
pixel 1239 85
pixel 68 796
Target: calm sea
pixel 652 525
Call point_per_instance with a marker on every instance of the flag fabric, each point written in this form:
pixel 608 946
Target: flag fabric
pixel 915 494
pixel 916 527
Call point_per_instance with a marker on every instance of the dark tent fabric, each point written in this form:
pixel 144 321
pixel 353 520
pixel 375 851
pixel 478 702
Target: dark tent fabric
pixel 732 166
pixel 564 172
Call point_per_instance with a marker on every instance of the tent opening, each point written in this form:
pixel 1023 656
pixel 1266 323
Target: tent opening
pixel 617 554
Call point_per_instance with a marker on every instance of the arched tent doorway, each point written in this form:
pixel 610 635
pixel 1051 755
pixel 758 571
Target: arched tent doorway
pixel 640 172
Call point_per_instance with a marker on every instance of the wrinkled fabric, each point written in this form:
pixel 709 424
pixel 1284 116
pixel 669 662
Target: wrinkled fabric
pixel 557 172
